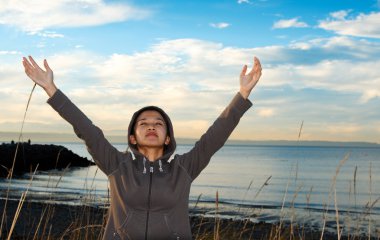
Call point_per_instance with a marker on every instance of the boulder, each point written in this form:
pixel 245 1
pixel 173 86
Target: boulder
pixel 29 155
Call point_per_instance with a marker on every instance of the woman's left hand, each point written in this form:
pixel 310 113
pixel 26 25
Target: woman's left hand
pixel 249 81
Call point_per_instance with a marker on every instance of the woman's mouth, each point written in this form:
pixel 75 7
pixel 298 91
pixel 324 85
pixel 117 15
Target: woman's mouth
pixel 151 134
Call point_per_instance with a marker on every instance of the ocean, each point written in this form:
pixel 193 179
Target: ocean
pixel 306 185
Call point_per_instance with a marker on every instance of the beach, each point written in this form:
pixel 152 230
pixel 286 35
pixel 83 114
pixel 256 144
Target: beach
pixel 267 192
pixel 58 221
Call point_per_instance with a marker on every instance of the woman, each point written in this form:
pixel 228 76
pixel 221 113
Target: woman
pixel 149 195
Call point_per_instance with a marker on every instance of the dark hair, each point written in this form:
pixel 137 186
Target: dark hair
pixel 149 108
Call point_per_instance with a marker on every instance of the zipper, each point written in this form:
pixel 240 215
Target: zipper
pixel 149 193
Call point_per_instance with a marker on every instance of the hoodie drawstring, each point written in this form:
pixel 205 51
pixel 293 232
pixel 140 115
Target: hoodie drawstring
pixel 160 163
pixel 144 171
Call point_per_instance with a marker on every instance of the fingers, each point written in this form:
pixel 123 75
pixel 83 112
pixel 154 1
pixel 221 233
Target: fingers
pixel 34 64
pixel 46 65
pixel 256 66
pixel 243 71
pixel 27 66
pixel 26 63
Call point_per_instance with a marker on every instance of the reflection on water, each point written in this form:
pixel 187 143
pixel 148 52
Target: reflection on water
pixel 262 183
pixel 76 186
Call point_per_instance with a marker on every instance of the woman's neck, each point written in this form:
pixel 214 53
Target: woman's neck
pixel 152 154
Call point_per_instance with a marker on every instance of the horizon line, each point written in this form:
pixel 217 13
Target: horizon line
pixel 120 139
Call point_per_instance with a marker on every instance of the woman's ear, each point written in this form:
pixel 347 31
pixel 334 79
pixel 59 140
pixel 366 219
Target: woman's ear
pixel 167 140
pixel 132 139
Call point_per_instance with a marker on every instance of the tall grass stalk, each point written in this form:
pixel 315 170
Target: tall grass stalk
pixel 355 202
pixel 10 174
pixel 293 216
pixel 198 199
pixel 217 221
pixel 20 204
pixel 262 186
pixel 298 141
pixel 308 196
pixel 336 214
pixel 39 223
pixel 370 200
pixel 277 234
pixel 245 195
pixel 355 192
pixel 333 188
pixel 266 183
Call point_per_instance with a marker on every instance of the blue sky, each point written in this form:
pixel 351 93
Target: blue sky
pixel 320 64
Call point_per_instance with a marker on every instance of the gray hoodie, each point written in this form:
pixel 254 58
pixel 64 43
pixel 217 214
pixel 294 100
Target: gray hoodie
pixel 149 200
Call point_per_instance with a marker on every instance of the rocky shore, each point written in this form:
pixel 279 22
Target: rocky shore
pixel 40 156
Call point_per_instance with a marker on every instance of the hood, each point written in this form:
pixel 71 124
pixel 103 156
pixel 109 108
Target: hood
pixel 168 149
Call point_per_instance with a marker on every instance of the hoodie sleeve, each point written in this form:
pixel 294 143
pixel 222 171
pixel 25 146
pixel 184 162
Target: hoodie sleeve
pixel 199 156
pixel 104 154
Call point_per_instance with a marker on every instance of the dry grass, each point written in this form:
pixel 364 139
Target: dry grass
pixel 10 171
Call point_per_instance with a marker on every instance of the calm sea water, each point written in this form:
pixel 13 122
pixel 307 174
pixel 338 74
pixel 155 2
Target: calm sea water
pixel 306 185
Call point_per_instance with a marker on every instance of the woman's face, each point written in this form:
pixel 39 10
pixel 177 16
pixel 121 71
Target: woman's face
pixel 150 130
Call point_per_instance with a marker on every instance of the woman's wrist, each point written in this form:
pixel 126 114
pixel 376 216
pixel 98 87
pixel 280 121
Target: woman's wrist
pixel 50 90
pixel 244 94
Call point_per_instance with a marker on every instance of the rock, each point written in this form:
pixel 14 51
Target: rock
pixel 29 155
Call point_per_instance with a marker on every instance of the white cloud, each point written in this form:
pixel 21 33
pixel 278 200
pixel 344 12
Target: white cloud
pixel 364 25
pixel 243 1
pixel 289 23
pixel 300 45
pixel 220 25
pixel 47 34
pixel 266 112
pixel 37 15
pixel 173 71
pixel 337 75
pixel 370 94
pixel 10 53
pixel 344 128
pixel 340 15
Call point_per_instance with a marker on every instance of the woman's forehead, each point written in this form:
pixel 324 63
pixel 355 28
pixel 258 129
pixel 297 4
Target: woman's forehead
pixel 150 114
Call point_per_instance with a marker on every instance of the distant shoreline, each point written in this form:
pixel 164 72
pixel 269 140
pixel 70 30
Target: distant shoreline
pixel 72 138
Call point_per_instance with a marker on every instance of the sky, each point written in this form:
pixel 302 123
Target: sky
pixel 320 59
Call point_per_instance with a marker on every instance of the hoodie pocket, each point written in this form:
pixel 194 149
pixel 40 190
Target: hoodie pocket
pixel 133 227
pixel 161 227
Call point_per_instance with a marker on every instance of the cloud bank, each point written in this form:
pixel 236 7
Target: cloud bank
pixel 194 79
pixel 35 16
pixel 363 25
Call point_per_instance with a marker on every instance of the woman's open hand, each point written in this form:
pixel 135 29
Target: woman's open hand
pixel 42 78
pixel 249 81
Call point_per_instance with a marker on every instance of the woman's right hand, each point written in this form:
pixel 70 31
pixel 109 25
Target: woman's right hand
pixel 42 78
